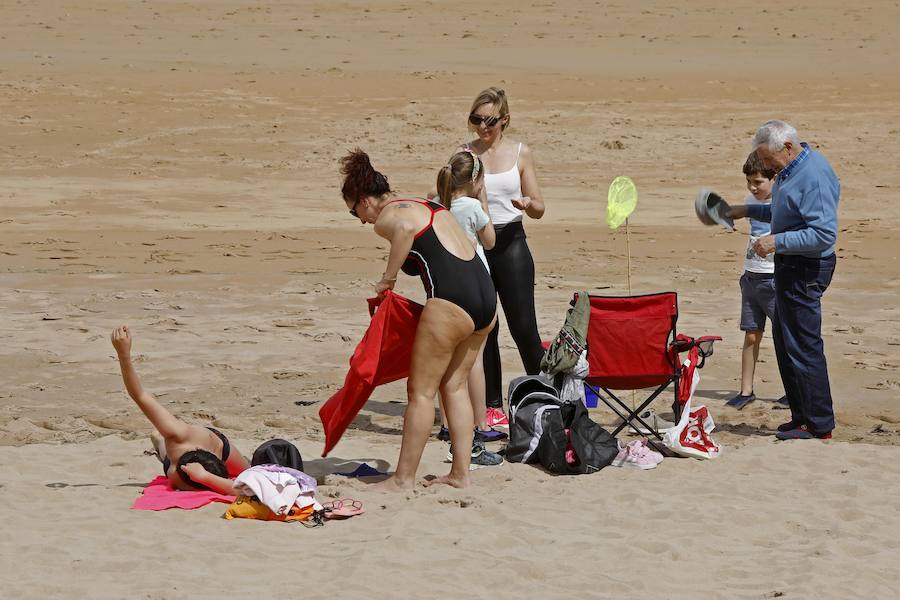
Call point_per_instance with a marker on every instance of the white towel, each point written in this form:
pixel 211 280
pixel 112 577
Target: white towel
pixel 278 491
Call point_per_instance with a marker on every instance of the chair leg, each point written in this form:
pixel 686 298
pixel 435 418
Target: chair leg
pixel 676 405
pixel 627 415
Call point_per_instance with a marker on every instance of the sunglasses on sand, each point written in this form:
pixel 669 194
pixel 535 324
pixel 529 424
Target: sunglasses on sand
pixel 488 121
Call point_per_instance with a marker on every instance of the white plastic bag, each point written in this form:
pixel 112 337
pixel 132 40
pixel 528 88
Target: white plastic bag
pixel 690 436
pixel 573 381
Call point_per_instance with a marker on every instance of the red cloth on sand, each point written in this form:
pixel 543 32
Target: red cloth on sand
pixel 382 356
pixel 160 495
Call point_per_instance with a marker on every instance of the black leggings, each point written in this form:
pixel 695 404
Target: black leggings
pixel 512 269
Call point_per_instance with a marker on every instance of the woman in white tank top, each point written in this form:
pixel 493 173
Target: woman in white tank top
pixel 512 191
pixel 502 188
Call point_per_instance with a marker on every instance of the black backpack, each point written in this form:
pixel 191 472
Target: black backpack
pixel 593 446
pixel 538 420
pixel 278 452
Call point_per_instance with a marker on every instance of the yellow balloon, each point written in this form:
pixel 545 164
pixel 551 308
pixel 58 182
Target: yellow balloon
pixel 621 201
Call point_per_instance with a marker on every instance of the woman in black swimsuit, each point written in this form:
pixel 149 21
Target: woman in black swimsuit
pixel 460 310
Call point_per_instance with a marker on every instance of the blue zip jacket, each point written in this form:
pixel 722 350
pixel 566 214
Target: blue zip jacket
pixel 803 212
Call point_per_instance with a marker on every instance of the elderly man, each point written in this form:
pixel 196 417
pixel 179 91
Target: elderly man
pixel 803 214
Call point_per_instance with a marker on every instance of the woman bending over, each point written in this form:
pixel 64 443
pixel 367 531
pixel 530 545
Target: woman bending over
pixel 459 311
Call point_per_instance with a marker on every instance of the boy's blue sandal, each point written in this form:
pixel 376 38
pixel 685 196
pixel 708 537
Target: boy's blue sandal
pixel 740 401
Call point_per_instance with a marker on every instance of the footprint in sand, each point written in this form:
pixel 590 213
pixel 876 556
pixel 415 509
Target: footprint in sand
pixel 220 366
pixel 295 323
pixel 168 322
pixel 289 374
pixel 326 335
pixel 236 423
pixel 886 384
pixel 460 502
pixel 874 366
pixel 157 256
pixel 127 426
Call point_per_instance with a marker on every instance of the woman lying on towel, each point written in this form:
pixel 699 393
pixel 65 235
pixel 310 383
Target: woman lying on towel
pixel 426 240
pixel 193 457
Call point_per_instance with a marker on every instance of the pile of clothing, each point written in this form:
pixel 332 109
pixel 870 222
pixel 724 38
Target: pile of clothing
pixel 276 489
pixel 274 493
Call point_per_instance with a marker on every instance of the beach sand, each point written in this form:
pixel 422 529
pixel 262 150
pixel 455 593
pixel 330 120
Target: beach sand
pixel 173 166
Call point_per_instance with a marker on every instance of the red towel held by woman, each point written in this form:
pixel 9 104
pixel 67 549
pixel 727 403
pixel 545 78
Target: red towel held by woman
pixel 382 356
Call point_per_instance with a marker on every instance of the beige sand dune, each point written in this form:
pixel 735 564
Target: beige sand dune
pixel 174 166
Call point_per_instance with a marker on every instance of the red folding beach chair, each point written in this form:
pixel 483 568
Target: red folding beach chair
pixel 633 345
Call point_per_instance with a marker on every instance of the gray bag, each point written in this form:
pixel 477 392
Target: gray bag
pixel 532 400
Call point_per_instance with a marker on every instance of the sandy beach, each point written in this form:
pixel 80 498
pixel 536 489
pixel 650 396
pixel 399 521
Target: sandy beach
pixel 173 166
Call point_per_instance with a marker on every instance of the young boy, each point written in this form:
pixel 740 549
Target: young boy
pixel 193 457
pixel 757 281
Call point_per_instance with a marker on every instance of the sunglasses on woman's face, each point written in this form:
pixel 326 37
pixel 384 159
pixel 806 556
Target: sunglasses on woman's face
pixel 353 210
pixel 488 121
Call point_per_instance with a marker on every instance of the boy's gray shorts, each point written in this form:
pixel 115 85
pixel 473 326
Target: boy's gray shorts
pixel 757 300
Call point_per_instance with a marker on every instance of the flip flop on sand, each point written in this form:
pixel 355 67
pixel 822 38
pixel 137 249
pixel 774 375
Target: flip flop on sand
pixel 343 509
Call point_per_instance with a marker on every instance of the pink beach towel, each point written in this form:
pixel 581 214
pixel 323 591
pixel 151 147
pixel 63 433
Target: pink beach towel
pixel 160 495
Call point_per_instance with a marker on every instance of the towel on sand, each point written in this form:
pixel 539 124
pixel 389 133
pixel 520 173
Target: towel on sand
pixel 160 495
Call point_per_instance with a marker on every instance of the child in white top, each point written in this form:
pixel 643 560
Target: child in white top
pixel 471 214
pixel 757 281
pixel 459 185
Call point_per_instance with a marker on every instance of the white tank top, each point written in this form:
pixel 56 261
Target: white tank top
pixel 501 188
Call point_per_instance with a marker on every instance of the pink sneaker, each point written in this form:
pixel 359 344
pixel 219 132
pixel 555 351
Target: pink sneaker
pixel 636 456
pixel 648 450
pixel 495 417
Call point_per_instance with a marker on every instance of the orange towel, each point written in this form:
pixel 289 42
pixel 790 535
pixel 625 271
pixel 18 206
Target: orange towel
pixel 245 507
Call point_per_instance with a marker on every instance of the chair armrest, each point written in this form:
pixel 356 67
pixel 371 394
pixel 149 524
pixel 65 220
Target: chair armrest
pixel 704 344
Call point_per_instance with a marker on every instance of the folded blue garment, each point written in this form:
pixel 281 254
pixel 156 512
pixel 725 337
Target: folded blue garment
pixel 363 470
